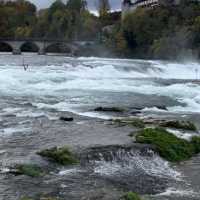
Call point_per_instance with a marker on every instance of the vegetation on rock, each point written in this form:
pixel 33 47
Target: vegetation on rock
pixel 26 198
pixel 61 156
pixel 169 146
pixel 196 144
pixel 186 125
pixel 29 170
pixel 131 196
pixel 41 198
pixel 135 122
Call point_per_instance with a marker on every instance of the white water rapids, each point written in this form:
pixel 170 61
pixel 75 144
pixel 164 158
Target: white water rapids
pixel 67 84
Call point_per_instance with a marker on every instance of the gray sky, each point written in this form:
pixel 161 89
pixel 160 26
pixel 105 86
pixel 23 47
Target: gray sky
pixel 45 3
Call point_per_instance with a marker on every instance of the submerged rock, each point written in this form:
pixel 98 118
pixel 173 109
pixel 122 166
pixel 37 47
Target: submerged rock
pixel 135 122
pixel 67 119
pixel 109 109
pixel 185 125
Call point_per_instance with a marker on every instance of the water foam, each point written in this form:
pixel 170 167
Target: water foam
pixel 104 75
pixel 133 162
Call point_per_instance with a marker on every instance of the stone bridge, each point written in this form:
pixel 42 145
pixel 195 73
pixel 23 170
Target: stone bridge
pixel 42 45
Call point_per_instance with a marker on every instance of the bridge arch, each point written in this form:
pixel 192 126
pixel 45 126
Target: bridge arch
pixel 29 47
pixel 5 47
pixel 58 47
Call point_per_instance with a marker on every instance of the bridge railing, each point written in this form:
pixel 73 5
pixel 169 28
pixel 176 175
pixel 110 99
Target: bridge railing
pixel 44 40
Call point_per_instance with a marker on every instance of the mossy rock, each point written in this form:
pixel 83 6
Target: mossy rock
pixel 169 146
pixel 41 198
pixel 61 156
pixel 109 109
pixel 29 170
pixel 131 196
pixel 135 122
pixel 48 198
pixel 185 125
pixel 196 143
pixel 26 198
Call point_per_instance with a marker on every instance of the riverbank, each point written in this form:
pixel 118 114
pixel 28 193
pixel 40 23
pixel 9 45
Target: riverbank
pixel 111 164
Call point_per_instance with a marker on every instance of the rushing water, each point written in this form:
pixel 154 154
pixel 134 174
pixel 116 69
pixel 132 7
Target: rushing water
pixel 54 84
pixel 76 84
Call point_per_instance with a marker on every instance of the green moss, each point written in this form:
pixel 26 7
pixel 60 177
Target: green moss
pixel 132 196
pixel 168 145
pixel 61 156
pixel 138 123
pixel 29 170
pixel 196 144
pixel 186 125
pixel 26 198
pixel 41 198
pixel 48 198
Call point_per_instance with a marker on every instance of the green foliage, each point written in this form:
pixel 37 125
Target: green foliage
pixel 20 19
pixel 165 32
pixel 196 144
pixel 131 196
pixel 61 156
pixel 26 198
pixel 41 198
pixel 168 145
pixel 186 125
pixel 29 170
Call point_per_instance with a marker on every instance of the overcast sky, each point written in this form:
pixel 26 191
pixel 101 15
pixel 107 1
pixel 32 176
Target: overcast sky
pixel 116 4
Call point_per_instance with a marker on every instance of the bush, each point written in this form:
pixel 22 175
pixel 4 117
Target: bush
pixel 186 125
pixel 61 156
pixel 132 196
pixel 29 170
pixel 168 145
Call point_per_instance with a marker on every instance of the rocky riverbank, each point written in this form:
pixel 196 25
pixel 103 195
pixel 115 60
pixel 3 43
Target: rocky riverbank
pixel 110 164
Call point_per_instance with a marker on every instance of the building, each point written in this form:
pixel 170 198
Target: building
pixel 131 5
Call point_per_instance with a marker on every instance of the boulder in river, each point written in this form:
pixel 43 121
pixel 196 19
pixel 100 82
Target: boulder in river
pixel 109 109
pixel 66 119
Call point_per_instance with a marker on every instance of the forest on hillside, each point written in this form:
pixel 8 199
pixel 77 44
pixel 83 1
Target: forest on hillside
pixel 19 19
pixel 165 32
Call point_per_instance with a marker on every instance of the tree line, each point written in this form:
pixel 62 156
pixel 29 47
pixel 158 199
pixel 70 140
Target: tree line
pixel 71 20
pixel 165 32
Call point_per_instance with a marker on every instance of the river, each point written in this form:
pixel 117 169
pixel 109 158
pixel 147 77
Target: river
pixel 32 101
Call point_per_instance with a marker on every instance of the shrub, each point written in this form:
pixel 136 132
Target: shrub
pixel 132 196
pixel 186 125
pixel 168 145
pixel 61 156
pixel 29 170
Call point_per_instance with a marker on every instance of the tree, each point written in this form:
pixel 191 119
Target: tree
pixel 103 7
